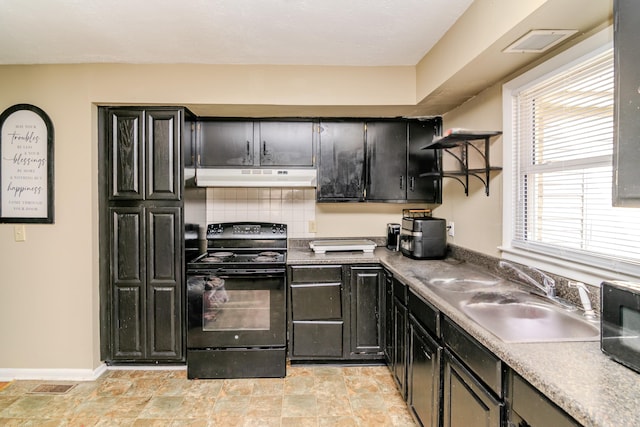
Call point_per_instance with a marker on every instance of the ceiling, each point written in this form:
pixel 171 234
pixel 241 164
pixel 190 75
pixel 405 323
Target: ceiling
pixel 276 32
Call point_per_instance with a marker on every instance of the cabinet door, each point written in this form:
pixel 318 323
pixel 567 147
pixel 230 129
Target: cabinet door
pixel 127 262
pixel 316 301
pixel 531 408
pixel 386 161
pixel 466 402
pixel 189 142
pixel 399 366
pixel 626 156
pixel 341 161
pixel 164 282
pixel 125 135
pixel 318 339
pixel 423 375
pixel 164 164
pixel 226 143
pixel 286 144
pixel 366 304
pixel 427 188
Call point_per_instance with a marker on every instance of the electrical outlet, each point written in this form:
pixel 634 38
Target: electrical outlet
pixel 312 226
pixel 19 233
pixel 451 229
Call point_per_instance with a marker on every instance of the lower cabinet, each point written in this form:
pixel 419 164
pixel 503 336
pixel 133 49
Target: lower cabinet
pixel 472 381
pixel 399 333
pixel 424 392
pixel 335 312
pixel 467 402
pixel 527 407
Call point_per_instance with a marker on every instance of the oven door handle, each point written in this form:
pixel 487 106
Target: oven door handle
pixel 250 273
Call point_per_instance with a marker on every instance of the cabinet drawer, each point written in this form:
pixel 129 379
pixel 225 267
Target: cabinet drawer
pixel 481 361
pixel 534 408
pixel 424 313
pixel 317 339
pixel 316 274
pixel 400 291
pixel 316 301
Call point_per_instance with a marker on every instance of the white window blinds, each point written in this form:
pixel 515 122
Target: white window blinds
pixel 563 142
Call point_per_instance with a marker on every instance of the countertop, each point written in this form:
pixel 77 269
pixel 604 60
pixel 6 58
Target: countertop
pixel 577 376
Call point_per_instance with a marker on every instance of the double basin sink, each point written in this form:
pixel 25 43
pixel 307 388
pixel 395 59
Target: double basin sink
pixel 513 314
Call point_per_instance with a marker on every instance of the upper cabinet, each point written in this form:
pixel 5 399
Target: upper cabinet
pixel 398 170
pixel 225 143
pixel 241 143
pixel 379 161
pixel 387 161
pixel 341 152
pixel 286 143
pixel 626 156
pixel 422 164
pixel 145 161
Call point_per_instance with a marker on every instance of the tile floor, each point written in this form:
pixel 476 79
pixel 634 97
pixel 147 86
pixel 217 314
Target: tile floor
pixel 317 395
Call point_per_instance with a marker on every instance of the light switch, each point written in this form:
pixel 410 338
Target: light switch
pixel 19 233
pixel 312 226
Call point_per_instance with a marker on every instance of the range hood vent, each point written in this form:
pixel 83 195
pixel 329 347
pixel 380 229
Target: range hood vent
pixel 256 177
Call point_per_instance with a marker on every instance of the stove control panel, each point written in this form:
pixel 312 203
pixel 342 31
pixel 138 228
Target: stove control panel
pixel 279 228
pixel 246 230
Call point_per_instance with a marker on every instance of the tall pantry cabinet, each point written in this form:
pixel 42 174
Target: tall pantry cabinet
pixel 141 222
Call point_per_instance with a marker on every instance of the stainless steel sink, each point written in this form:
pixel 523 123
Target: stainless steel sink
pixel 520 317
pixel 461 285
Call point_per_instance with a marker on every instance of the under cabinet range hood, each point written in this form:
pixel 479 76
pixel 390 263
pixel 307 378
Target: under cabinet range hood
pixel 239 177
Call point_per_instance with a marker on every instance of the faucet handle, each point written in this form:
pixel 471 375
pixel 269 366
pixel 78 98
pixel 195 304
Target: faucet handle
pixel 583 290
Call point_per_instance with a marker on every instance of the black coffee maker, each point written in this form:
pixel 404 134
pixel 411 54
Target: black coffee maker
pixel 393 236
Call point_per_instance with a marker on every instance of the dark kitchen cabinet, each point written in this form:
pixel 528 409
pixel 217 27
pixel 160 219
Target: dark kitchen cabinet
pixel 379 161
pixel 286 143
pixel 334 312
pixel 387 161
pixel 423 164
pixel 527 407
pixel 316 312
pixel 366 296
pixel 424 366
pixel 225 143
pixel 144 148
pixel 472 381
pixel 341 153
pixel 189 141
pixel 388 317
pixel 141 238
pixel 466 400
pixel 399 336
pixel 265 143
pixel 398 170
pixel 626 155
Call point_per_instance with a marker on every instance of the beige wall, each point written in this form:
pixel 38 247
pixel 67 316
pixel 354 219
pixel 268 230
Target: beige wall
pixel 477 217
pixel 49 312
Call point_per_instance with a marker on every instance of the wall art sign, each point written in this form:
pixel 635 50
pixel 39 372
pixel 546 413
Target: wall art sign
pixel 26 165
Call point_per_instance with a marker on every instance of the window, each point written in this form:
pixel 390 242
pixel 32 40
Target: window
pixel 561 132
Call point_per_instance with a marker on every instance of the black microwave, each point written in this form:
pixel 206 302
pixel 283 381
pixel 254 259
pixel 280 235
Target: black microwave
pixel 620 327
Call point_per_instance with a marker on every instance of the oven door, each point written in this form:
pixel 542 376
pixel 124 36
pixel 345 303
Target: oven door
pixel 236 308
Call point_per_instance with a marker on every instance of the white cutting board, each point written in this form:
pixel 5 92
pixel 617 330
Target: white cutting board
pixel 322 246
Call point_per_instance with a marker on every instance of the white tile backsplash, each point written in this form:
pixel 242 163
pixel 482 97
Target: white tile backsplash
pixel 295 207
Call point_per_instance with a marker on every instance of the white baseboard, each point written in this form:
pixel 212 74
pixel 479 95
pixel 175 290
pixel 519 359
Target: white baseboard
pixel 52 374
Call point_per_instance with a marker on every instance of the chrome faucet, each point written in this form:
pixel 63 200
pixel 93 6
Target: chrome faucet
pixel 583 291
pixel 548 285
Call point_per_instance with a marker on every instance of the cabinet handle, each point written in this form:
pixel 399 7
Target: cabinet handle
pixel 402 182
pixel 248 148
pixel 264 148
pixel 412 183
